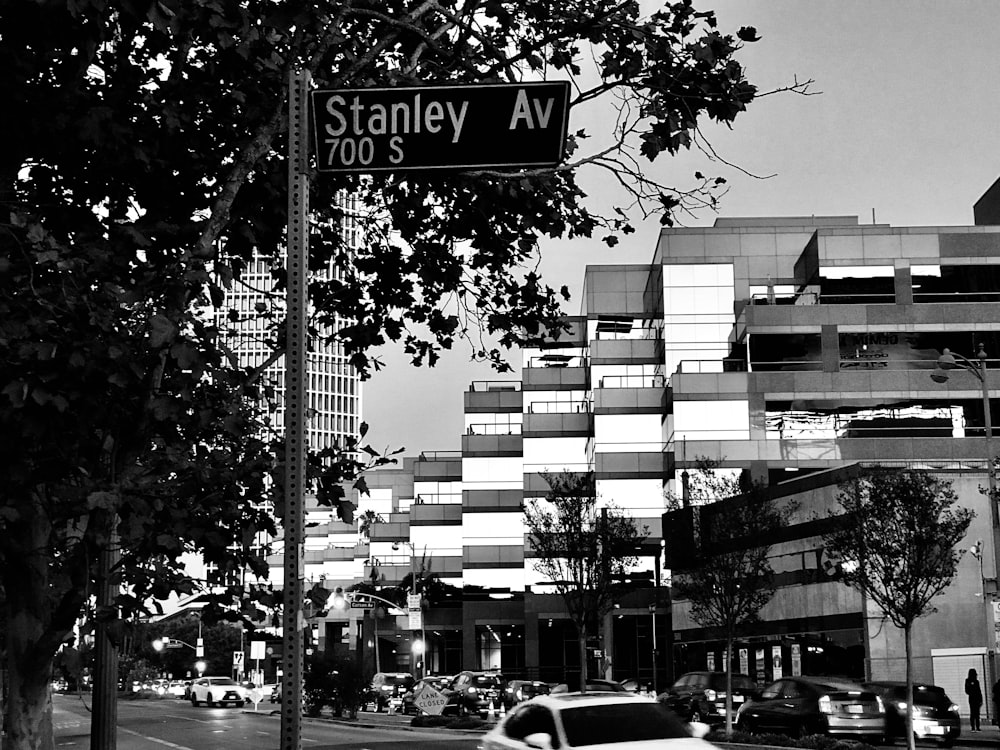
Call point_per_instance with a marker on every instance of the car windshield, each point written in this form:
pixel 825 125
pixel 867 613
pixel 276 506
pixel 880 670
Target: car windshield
pixel 486 682
pixel 222 681
pixel 395 679
pixel 611 723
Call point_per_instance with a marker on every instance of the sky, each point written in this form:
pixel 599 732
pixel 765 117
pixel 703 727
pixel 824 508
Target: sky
pixel 904 125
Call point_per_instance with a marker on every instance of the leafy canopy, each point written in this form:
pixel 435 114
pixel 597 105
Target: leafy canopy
pixel 732 578
pixel 897 537
pixel 584 548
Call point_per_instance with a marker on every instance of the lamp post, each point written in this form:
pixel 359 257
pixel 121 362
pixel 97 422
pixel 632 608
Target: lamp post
pixel 422 651
pixel 949 361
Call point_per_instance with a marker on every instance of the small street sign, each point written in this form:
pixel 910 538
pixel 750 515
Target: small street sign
pixel 472 126
pixel 237 659
pixel 257 649
pixel 413 602
pixel 362 604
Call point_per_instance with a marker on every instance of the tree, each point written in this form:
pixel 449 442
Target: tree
pixel 583 548
pixel 143 169
pixel 732 578
pixel 897 538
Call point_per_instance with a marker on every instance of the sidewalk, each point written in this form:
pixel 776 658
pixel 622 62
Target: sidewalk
pixel 989 736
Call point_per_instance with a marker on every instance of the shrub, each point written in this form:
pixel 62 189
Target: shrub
pixel 811 742
pixel 448 722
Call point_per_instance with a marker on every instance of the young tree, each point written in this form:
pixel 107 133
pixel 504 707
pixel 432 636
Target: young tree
pixel 583 548
pixel 897 538
pixel 143 168
pixel 732 578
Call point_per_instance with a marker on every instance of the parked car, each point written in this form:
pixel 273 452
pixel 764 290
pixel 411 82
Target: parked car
pixel 518 691
pixel 438 682
pixel 800 706
pixel 935 715
pixel 701 696
pixel 593 686
pixel 609 721
pixel 474 693
pixel 217 691
pixel 387 690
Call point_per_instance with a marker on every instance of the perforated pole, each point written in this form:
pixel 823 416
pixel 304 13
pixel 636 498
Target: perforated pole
pixel 297 252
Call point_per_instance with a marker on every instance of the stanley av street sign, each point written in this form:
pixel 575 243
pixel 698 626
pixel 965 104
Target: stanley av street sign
pixel 482 126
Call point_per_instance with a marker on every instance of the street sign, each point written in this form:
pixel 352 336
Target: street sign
pixel 362 604
pixel 257 649
pixel 413 602
pixel 416 619
pixel 473 126
pixel 237 659
pixel 429 700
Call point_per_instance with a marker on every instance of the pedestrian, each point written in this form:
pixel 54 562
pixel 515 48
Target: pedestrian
pixel 975 693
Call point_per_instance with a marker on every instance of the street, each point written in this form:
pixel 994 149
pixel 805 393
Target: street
pixel 158 724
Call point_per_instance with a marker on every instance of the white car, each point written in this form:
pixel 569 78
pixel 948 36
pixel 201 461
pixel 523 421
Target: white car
pixel 598 721
pixel 217 691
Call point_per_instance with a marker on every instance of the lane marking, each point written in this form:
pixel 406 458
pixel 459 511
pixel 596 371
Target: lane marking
pixel 155 739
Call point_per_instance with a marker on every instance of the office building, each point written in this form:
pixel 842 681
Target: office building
pixel 790 351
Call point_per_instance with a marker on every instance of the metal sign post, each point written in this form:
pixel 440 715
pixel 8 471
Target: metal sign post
pixel 297 253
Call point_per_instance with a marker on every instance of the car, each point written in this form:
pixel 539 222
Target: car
pixel 701 696
pixel 438 682
pixel 593 686
pixel 935 715
pixel 387 690
pixel 597 721
pixel 800 706
pixel 521 690
pixel 217 691
pixel 177 689
pixel 474 693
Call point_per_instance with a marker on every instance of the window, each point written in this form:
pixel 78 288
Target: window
pixel 529 719
pixel 624 721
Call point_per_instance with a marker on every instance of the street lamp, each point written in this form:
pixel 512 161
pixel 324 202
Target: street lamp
pixel 413 591
pixel 949 361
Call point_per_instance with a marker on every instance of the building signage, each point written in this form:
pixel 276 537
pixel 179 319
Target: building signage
pixel 480 126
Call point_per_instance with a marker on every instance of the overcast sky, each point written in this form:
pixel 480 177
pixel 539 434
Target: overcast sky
pixel 907 125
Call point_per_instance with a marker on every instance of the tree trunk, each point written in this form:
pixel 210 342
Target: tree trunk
pixel 729 685
pixel 911 742
pixel 26 584
pixel 581 632
pixel 29 709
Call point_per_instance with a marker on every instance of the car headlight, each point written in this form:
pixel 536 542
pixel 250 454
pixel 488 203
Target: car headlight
pixel 825 706
pixel 472 691
pixel 880 704
pixel 953 708
pixel 519 695
pixel 711 695
pixel 386 687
